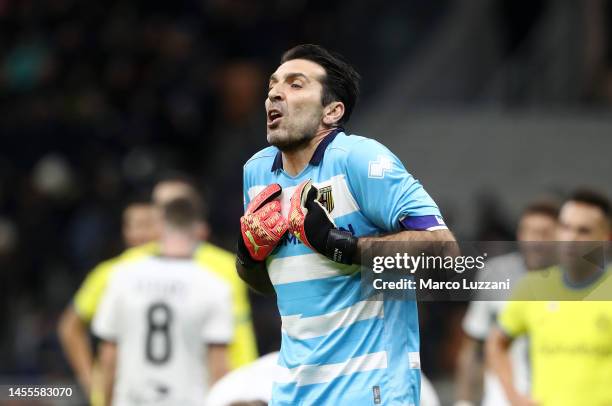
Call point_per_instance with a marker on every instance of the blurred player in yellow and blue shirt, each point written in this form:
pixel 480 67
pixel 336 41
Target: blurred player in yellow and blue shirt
pixel 74 323
pixel 566 312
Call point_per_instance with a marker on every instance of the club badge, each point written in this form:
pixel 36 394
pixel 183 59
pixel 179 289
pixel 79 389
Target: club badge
pixel 326 198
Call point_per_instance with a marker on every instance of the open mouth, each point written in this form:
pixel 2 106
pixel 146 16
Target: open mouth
pixel 274 117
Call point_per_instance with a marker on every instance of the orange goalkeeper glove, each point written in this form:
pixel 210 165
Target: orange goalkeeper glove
pixel 262 227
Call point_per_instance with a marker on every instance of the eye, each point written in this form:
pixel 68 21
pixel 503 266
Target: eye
pixel 296 86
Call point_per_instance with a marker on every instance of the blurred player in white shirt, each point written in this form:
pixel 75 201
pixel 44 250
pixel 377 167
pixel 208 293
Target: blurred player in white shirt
pixel 538 223
pixel 165 323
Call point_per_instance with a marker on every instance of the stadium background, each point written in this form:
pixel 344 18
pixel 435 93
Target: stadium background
pixel 490 103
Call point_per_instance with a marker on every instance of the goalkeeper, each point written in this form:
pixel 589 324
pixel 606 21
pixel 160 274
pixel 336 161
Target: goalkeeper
pixel 315 198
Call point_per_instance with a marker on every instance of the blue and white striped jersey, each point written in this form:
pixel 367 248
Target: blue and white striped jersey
pixel 338 349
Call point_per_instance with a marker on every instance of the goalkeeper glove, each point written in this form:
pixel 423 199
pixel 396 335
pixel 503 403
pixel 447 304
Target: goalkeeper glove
pixel 310 222
pixel 262 227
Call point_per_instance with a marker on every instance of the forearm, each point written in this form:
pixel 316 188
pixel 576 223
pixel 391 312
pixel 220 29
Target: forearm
pixel 73 336
pixel 257 278
pixel 218 364
pixel 498 359
pixel 108 365
pixel 439 242
pixel 468 376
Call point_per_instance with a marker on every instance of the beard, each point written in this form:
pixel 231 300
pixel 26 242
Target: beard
pixel 290 144
pixel 293 139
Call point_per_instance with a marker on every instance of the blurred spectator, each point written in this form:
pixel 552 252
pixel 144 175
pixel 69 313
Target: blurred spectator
pixel 98 98
pixel 536 227
pixel 565 313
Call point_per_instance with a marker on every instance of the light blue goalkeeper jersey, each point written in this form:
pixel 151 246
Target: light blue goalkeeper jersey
pixel 338 349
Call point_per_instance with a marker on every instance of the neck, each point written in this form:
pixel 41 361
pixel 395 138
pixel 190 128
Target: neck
pixel 295 161
pixel 177 244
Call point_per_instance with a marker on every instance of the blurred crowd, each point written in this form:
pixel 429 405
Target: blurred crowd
pixel 98 98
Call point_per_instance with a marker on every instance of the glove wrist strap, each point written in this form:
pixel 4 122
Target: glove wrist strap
pixel 243 256
pixel 341 246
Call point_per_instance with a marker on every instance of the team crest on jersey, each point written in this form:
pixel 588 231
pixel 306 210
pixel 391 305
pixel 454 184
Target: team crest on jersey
pixel 326 198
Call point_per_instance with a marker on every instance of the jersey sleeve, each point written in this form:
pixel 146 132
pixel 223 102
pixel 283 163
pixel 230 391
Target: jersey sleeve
pixel 245 189
pixel 513 318
pixel 105 323
pixel 219 324
pixel 386 193
pixel 90 292
pixel 243 348
pixel 478 319
pixel 250 186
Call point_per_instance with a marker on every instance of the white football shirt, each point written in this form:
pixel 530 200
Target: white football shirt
pixel 162 313
pixel 481 316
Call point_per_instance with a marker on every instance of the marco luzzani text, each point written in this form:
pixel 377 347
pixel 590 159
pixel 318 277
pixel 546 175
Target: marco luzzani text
pixel 410 264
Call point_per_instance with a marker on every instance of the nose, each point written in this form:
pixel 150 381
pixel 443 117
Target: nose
pixel 274 94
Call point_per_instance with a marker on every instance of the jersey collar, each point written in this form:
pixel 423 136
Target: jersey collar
pixel 317 157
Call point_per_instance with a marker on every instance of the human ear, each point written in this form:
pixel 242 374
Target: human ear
pixel 333 113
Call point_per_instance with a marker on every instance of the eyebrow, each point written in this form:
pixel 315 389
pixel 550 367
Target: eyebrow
pixel 291 75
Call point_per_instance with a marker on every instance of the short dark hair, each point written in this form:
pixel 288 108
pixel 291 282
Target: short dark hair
pixel 174 176
pixel 341 82
pixel 180 213
pixel 545 207
pixel 592 198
